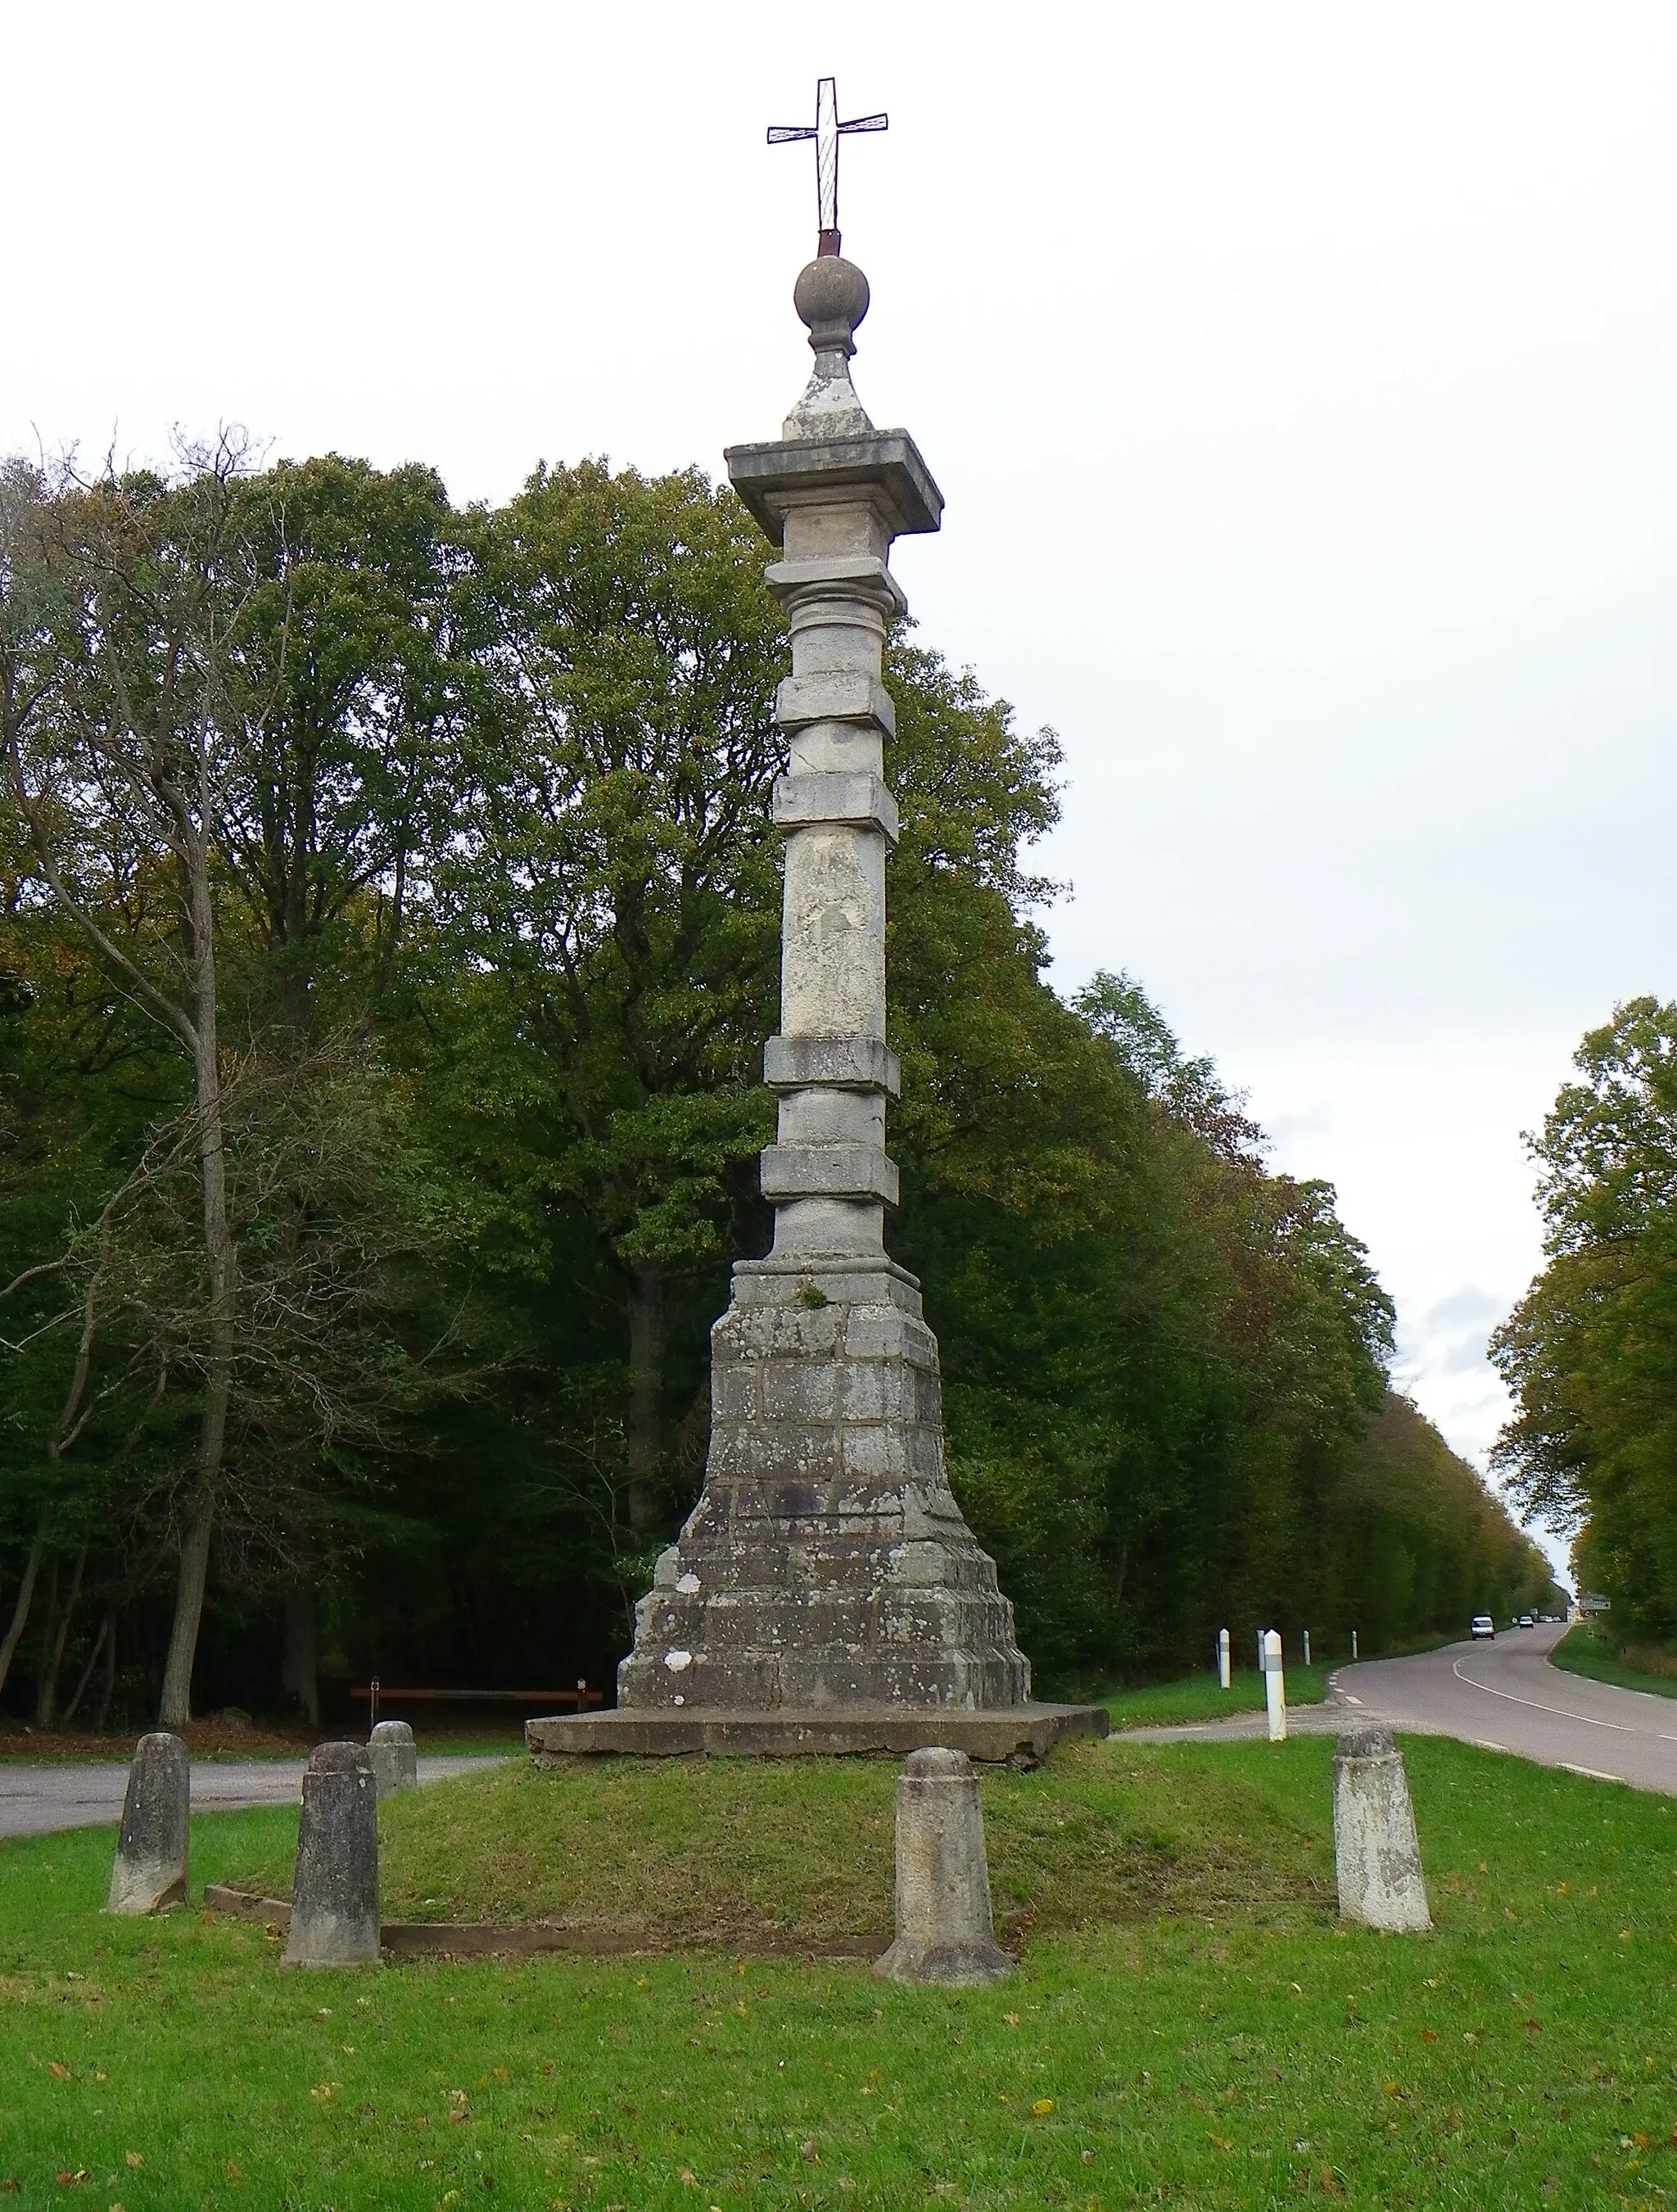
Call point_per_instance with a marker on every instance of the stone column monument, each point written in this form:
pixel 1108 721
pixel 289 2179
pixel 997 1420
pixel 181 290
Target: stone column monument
pixel 826 1593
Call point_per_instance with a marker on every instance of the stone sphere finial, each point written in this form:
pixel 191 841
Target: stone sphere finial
pixel 831 296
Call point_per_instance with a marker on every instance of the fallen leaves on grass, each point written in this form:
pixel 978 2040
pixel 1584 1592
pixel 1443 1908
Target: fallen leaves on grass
pixel 133 2158
pixel 1043 2105
pixel 67 2179
pixel 58 2073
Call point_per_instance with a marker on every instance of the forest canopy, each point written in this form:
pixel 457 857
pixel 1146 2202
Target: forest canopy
pixel 390 908
pixel 1589 1355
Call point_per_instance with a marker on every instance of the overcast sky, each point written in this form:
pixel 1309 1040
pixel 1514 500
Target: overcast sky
pixel 1300 379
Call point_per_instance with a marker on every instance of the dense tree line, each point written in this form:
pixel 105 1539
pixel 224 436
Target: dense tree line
pixel 390 907
pixel 1590 1353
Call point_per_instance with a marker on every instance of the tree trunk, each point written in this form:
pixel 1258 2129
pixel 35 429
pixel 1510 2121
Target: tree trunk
pixel 106 1627
pixel 25 1597
pixel 298 1677
pixel 646 1390
pixel 47 1691
pixel 174 1709
pixel 108 1688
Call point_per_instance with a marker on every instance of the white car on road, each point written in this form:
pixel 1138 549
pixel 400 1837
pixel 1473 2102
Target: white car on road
pixel 1483 1628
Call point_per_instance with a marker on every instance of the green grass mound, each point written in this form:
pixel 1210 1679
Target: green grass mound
pixel 700 1854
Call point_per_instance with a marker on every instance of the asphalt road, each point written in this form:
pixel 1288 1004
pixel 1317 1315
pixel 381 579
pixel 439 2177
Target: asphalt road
pixel 1504 1696
pixel 35 1800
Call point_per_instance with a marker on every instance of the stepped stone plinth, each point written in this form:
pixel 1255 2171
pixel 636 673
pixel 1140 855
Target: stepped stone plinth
pixel 826 1593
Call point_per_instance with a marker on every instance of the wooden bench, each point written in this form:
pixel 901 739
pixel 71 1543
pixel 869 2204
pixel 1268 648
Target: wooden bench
pixel 375 1693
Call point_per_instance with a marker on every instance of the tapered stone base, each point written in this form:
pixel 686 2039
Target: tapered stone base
pixel 826 1572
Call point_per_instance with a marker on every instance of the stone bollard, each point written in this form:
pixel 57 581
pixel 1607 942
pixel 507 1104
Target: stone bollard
pixel 151 1868
pixel 395 1762
pixel 944 1932
pixel 335 1891
pixel 1377 1857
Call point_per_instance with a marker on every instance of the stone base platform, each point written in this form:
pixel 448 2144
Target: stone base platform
pixel 1022 1735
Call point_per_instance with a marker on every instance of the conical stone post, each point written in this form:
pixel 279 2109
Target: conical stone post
pixel 1376 1856
pixel 335 1890
pixel 394 1757
pixel 151 1868
pixel 944 1930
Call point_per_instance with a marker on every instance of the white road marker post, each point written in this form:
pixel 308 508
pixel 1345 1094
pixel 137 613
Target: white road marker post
pixel 1307 1647
pixel 1353 1643
pixel 1275 1687
pixel 1223 1658
pixel 1261 1634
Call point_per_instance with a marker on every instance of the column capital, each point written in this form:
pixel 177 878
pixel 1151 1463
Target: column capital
pixel 884 466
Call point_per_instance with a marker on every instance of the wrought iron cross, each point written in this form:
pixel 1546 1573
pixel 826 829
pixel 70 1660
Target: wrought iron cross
pixel 827 130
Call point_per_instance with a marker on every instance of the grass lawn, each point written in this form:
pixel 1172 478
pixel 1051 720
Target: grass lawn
pixel 1208 2038
pixel 1197 1697
pixel 1581 1651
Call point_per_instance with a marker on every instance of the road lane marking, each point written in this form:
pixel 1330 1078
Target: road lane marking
pixel 1559 1712
pixel 1590 1773
pixel 1351 1700
pixel 1485 1744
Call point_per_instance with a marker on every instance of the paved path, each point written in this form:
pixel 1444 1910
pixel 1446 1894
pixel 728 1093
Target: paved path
pixel 36 1800
pixel 1505 1696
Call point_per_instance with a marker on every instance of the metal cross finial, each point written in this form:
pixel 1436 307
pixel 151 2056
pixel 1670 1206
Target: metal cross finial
pixel 827 130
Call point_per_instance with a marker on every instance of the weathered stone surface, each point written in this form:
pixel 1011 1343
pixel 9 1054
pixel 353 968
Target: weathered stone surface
pixel 335 1892
pixel 841 1063
pixel 1018 1735
pixel 827 1562
pixel 393 1758
pixel 944 1931
pixel 1377 1857
pixel 151 1868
